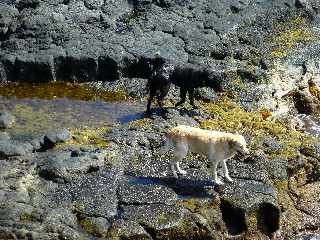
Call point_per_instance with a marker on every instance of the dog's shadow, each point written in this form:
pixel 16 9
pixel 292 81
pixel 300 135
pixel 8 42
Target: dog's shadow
pixel 131 117
pixel 183 187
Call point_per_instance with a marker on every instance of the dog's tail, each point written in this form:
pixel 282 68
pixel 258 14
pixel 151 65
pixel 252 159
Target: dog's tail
pixel 166 146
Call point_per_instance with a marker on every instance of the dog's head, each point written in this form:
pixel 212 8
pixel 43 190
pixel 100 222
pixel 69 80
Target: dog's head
pixel 214 80
pixel 239 144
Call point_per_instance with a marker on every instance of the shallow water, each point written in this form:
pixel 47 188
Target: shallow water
pixel 35 117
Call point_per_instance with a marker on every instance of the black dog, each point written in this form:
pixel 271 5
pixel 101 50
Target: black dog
pixel 187 77
pixel 159 84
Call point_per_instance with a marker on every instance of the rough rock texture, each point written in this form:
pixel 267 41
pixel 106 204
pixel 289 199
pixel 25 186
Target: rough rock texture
pixel 101 40
pixel 78 192
pixel 6 119
pixel 264 48
pixel 268 50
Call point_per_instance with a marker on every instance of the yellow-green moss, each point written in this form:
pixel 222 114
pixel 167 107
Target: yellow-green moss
pixel 252 225
pixel 227 116
pixel 237 81
pixel 288 34
pixel 191 204
pixel 282 193
pixel 310 151
pixel 314 91
pixel 144 122
pixel 162 218
pixel 90 228
pixel 285 41
pixel 194 205
pixel 28 217
pixel 54 90
pixel 77 208
pixel 87 136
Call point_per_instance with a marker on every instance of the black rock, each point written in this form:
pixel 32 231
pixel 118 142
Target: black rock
pixel 52 138
pixel 93 195
pixel 65 166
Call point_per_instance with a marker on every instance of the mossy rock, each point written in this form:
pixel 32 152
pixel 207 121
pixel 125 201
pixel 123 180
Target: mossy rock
pixel 286 35
pixel 95 226
pixel 140 123
pixel 28 217
pixel 227 116
pixel 196 205
pixel 86 137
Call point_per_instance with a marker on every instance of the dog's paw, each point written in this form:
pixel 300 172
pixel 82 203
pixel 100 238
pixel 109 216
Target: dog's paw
pixel 175 175
pixel 218 182
pixel 147 114
pixel 229 179
pixel 183 172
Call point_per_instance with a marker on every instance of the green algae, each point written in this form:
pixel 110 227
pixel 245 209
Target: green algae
pixel 54 90
pixel 187 229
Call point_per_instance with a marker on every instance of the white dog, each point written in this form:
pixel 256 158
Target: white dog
pixel 217 146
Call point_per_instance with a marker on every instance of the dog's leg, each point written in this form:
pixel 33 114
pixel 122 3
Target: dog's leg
pixel 183 172
pixel 183 94
pixel 165 146
pixel 151 96
pixel 148 111
pixel 214 171
pixel 172 165
pixel 181 150
pixel 163 92
pixel 225 171
pixel 191 97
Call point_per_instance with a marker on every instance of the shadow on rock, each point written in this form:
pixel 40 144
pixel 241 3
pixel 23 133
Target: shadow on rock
pixel 183 187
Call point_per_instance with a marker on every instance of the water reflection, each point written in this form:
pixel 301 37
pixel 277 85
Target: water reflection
pixel 38 116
